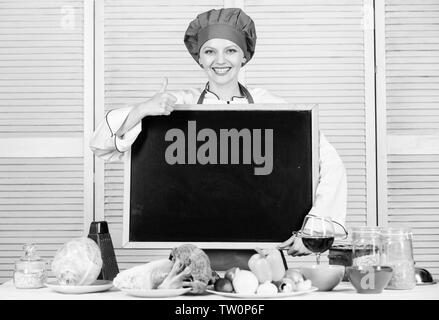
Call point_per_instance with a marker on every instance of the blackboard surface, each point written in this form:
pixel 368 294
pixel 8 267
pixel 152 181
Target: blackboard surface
pixel 221 202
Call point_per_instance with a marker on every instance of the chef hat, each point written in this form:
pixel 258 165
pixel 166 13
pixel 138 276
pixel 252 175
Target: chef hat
pixel 229 23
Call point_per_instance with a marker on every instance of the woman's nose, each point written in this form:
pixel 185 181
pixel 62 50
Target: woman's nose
pixel 220 58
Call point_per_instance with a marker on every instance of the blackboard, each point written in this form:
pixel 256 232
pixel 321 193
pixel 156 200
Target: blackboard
pixel 225 204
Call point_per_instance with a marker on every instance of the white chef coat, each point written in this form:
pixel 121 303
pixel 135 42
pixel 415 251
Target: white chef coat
pixel 331 192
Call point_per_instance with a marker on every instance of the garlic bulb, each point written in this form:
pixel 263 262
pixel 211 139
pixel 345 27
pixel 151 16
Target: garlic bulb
pixel 267 288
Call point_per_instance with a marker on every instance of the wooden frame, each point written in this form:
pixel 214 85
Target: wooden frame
pixel 369 101
pixel 89 80
pixel 221 245
pixel 381 118
pixel 99 100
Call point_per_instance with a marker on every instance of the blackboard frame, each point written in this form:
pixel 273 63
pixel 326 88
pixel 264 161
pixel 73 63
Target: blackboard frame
pixel 312 108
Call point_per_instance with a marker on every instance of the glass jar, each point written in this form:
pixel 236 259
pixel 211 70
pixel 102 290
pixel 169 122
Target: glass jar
pixel 341 254
pixel 30 271
pixel 366 246
pixel 398 253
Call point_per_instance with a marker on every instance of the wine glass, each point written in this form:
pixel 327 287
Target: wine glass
pixel 317 234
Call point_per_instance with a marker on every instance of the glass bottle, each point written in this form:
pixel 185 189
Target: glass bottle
pixel 31 270
pixel 398 253
pixel 366 246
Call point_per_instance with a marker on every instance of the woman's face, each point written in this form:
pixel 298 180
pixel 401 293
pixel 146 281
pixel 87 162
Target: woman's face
pixel 221 59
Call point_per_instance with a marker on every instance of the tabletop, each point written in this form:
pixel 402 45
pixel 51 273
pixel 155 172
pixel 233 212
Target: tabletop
pixel 344 291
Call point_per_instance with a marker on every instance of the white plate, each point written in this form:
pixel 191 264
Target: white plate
pixel 156 293
pixel 97 286
pixel 262 296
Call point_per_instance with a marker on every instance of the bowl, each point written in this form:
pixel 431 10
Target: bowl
pixel 369 279
pixel 423 276
pixel 324 277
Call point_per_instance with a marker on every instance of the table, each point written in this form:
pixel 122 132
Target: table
pixel 344 291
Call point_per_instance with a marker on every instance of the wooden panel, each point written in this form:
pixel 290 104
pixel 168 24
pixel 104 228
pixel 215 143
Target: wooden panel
pixel 412 62
pixel 143 42
pixel 412 50
pixel 41 62
pixel 41 202
pixel 318 57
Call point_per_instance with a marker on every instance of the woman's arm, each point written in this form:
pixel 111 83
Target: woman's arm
pixel 160 104
pixel 120 128
pixel 331 195
pixel 105 143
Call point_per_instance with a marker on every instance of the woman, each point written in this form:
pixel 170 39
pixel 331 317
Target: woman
pixel 221 42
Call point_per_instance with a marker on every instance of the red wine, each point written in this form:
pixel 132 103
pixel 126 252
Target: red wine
pixel 317 244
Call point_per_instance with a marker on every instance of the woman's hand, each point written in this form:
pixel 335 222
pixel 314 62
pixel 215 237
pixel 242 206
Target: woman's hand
pixel 295 247
pixel 162 103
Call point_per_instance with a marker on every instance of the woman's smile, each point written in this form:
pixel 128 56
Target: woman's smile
pixel 221 70
pixel 221 59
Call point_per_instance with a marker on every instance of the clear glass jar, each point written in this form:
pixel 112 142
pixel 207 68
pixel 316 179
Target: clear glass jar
pixel 31 270
pixel 341 254
pixel 366 246
pixel 398 253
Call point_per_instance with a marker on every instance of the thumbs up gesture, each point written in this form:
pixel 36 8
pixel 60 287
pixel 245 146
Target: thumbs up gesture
pixel 164 85
pixel 162 103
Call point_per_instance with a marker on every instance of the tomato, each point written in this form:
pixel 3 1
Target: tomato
pixel 230 274
pixel 223 285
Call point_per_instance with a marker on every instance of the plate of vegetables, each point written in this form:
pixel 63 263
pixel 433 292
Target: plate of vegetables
pixel 187 270
pixel 97 286
pixel 267 278
pixel 277 295
pixel 157 293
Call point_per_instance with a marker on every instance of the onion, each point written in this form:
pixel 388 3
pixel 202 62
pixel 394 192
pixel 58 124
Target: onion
pixel 245 282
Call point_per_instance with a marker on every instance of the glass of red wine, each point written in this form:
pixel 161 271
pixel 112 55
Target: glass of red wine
pixel 317 234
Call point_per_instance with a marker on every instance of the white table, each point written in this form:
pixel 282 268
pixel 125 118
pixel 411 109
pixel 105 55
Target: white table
pixel 344 291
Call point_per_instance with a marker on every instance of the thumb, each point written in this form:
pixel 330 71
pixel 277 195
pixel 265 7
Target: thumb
pixel 164 85
pixel 287 243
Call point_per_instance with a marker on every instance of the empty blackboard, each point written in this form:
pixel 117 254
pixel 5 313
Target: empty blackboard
pixel 221 178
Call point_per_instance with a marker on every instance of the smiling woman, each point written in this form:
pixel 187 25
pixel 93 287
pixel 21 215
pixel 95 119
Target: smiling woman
pixel 221 59
pixel 221 42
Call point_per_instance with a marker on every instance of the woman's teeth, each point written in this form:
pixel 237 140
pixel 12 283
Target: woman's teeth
pixel 221 70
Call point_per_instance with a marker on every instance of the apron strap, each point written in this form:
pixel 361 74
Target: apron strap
pixel 201 98
pixel 243 89
pixel 246 93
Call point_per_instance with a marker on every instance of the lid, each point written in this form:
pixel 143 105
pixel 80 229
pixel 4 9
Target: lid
pixel 398 232
pixel 366 230
pixel 366 233
pixel 342 245
pixel 30 261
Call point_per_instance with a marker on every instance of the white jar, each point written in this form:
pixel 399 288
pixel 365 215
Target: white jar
pixel 30 271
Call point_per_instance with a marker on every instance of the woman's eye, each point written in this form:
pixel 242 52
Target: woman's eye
pixel 208 51
pixel 231 51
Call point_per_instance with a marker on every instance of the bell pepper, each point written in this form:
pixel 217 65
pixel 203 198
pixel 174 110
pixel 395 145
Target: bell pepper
pixel 260 267
pixel 277 264
pixel 267 265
